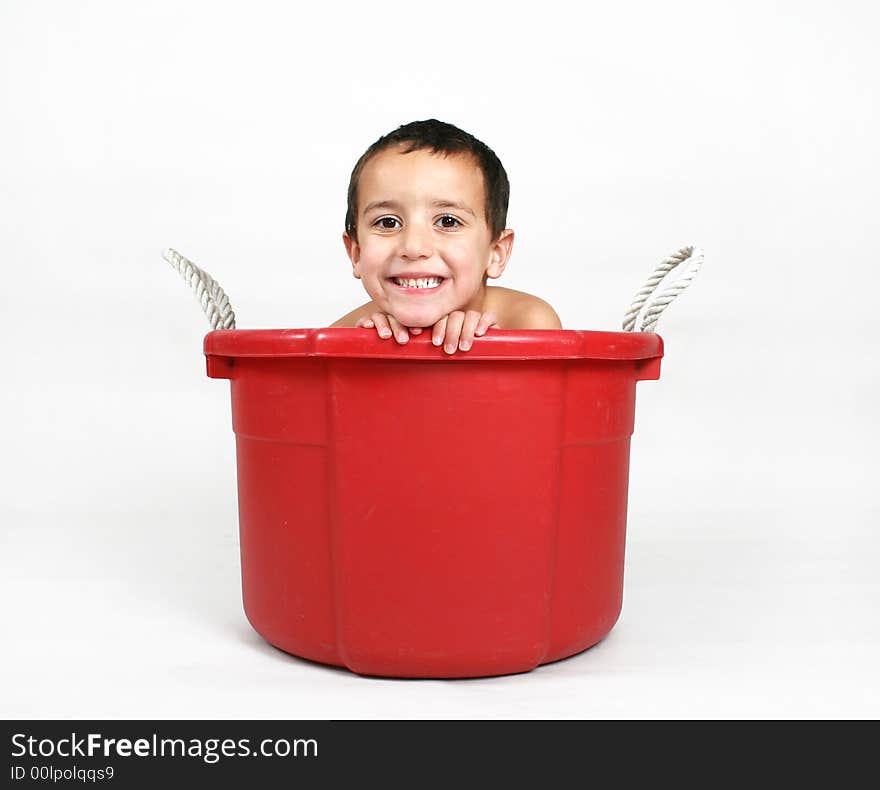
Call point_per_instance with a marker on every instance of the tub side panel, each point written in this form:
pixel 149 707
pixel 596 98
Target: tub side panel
pixel 279 413
pixel 444 554
pixel 588 583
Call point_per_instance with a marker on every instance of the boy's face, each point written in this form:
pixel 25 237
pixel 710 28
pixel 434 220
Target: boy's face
pixel 412 234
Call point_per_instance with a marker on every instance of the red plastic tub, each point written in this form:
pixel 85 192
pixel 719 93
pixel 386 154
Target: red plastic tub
pixel 408 513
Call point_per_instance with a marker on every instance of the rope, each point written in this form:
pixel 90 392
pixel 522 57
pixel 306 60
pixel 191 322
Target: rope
pixel 215 303
pixel 661 302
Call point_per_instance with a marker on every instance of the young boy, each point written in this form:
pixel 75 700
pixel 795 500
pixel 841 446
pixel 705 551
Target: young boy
pixel 425 229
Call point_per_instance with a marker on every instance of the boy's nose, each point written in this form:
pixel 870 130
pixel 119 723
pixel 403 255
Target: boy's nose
pixel 416 242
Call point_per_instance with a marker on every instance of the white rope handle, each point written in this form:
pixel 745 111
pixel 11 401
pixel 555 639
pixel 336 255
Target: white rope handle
pixel 694 256
pixel 214 301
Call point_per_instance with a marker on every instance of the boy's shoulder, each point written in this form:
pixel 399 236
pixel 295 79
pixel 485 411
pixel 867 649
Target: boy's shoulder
pixel 350 319
pixel 520 310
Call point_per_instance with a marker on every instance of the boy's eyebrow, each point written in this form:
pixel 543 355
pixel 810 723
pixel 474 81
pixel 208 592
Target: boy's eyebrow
pixel 437 203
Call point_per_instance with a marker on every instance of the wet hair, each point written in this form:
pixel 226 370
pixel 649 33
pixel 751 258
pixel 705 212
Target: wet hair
pixel 440 138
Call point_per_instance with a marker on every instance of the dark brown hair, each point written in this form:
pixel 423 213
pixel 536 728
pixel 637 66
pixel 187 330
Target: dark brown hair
pixel 442 138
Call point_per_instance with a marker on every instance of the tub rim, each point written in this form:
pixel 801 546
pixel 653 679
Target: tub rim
pixel 497 344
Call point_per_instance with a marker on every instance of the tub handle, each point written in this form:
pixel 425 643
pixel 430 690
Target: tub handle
pixel 656 306
pixel 213 299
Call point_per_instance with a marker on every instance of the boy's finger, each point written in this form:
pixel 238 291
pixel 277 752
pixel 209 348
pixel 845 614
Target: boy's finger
pixel 415 330
pixel 439 331
pixel 453 331
pixel 364 322
pixel 400 333
pixel 471 317
pixel 486 321
pixel 381 323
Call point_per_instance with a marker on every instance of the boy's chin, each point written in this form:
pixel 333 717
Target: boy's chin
pixel 422 318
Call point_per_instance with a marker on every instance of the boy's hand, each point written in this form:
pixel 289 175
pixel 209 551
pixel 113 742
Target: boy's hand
pixel 458 328
pixel 386 325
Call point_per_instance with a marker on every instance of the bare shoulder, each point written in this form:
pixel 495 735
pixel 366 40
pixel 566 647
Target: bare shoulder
pixel 521 310
pixel 351 319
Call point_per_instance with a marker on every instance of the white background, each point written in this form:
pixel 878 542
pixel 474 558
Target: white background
pixel 229 131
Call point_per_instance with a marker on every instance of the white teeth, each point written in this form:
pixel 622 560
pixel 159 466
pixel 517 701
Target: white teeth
pixel 421 282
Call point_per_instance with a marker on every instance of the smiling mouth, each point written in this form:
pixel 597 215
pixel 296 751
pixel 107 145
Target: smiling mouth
pixel 420 285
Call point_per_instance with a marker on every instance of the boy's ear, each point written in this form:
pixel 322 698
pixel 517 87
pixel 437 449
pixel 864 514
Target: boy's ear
pixel 354 253
pixel 500 253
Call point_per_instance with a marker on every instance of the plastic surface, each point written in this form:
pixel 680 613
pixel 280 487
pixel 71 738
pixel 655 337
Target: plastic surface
pixel 408 513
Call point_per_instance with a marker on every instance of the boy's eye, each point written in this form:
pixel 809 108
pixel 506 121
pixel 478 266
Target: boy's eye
pixel 455 222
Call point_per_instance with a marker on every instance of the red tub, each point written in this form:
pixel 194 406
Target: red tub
pixel 412 514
